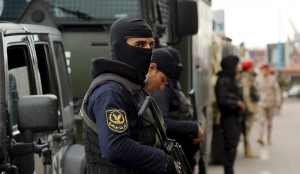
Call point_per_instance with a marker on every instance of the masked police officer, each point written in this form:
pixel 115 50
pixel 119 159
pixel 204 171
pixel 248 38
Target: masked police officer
pixel 230 105
pixel 177 112
pixel 121 141
pixel 161 69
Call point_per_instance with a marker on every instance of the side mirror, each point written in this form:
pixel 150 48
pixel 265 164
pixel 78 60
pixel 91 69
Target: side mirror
pixel 38 113
pixel 187 22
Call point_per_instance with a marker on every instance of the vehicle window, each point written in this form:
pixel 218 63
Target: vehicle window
pixel 21 81
pixel 63 74
pixel 42 52
pixel 13 9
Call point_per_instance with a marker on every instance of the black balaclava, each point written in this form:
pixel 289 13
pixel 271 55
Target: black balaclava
pixel 229 63
pixel 128 27
pixel 164 61
pixel 176 55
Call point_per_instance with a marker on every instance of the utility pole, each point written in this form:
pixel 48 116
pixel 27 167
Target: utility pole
pixel 279 45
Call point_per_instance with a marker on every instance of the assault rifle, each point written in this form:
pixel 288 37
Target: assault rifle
pixel 170 146
pixel 202 167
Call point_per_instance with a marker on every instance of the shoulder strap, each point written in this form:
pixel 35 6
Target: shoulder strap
pixel 99 80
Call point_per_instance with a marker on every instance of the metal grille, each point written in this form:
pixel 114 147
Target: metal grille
pixel 77 10
pixel 89 10
pixel 164 10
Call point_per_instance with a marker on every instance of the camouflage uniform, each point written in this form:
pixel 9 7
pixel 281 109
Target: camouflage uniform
pixel 269 92
pixel 246 81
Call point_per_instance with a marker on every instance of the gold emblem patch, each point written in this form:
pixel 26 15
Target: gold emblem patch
pixel 116 120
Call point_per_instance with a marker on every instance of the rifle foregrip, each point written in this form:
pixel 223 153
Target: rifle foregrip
pixel 175 150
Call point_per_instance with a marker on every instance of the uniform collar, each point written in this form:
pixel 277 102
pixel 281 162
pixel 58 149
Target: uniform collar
pixel 103 65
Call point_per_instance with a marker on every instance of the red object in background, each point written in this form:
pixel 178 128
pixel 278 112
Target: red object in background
pixel 247 64
pixel 265 65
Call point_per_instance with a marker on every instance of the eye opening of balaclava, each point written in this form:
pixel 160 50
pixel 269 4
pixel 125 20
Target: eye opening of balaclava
pixel 121 30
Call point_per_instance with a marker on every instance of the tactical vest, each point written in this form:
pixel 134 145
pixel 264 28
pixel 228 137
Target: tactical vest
pixel 184 108
pixel 95 162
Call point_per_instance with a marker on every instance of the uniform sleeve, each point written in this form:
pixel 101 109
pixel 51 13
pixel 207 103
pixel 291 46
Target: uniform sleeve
pixel 116 145
pixel 184 127
pixel 246 84
pixel 223 95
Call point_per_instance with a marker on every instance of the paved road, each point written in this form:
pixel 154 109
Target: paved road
pixel 283 157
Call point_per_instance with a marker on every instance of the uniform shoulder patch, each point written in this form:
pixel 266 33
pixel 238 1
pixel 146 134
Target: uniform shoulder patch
pixel 116 120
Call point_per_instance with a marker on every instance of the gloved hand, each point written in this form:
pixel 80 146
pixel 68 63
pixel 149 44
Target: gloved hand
pixel 171 166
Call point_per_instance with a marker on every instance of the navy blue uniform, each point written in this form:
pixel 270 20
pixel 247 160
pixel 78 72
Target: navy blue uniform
pixel 176 109
pixel 126 150
pixel 121 141
pixel 227 95
pixel 164 100
pixel 183 131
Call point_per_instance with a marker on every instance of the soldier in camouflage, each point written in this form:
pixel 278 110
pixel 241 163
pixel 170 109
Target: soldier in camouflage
pixel 250 99
pixel 269 92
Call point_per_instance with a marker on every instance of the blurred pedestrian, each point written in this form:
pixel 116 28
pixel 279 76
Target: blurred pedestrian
pixel 270 97
pixel 228 48
pixel 230 104
pixel 283 85
pixel 250 98
pixel 242 51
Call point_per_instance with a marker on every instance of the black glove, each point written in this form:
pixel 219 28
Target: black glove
pixel 169 165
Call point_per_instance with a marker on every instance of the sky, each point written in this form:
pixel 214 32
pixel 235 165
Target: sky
pixel 259 22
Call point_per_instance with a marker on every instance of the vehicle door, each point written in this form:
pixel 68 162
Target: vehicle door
pixel 21 80
pixel 54 79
